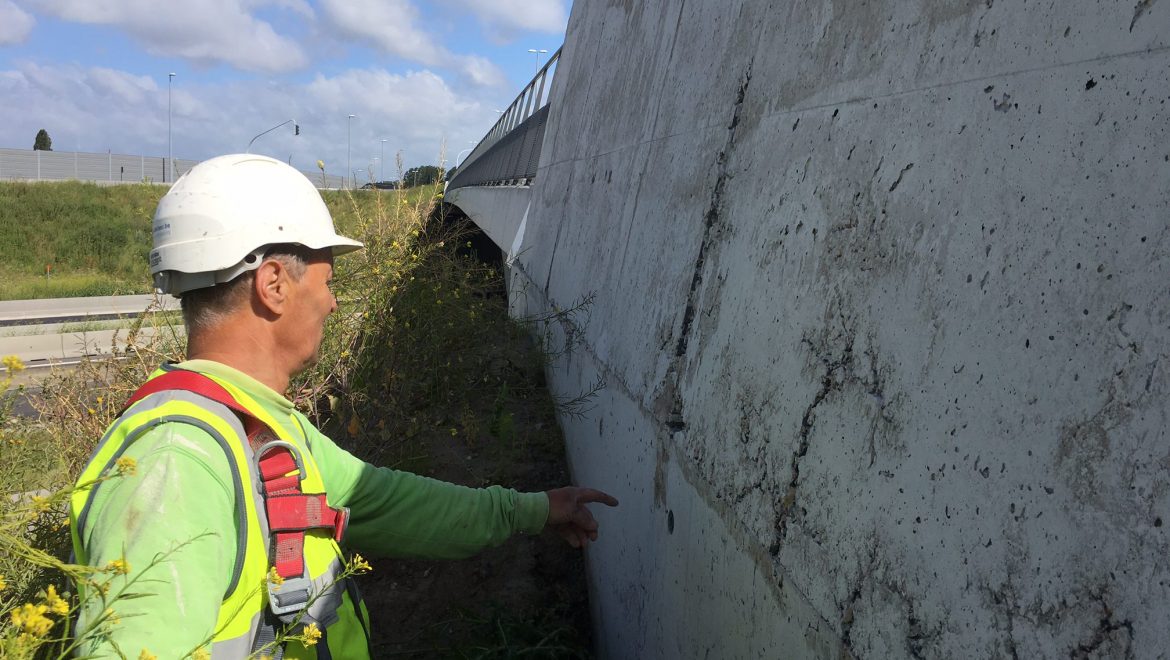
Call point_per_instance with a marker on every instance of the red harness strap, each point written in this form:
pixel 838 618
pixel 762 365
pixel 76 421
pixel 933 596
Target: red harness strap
pixel 290 511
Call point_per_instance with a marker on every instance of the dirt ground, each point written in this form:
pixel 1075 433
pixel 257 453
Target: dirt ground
pixel 525 598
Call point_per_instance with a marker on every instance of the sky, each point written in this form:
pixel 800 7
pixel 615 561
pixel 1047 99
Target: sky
pixel 426 76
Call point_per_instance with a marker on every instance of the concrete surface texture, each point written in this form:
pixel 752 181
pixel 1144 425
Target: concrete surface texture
pixel 877 296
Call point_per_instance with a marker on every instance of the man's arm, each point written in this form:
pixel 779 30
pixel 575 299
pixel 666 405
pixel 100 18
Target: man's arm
pixel 177 507
pixel 402 514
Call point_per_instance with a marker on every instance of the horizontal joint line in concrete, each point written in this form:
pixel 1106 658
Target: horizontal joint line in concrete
pixel 720 125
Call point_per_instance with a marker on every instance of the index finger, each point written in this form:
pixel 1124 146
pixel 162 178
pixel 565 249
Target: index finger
pixel 586 495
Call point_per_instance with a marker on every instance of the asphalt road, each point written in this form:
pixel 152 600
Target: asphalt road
pixel 60 331
pixel 46 310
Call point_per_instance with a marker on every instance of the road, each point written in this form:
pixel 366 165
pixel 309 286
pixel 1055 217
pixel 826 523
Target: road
pixel 61 331
pixel 22 312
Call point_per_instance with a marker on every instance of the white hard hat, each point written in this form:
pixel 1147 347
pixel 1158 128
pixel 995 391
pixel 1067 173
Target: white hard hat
pixel 218 218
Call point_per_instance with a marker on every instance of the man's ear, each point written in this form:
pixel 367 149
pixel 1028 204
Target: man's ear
pixel 271 286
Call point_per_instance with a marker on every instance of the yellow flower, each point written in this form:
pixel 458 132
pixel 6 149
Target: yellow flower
pixel 200 654
pixel 274 577
pixel 118 567
pixel 311 634
pixel 321 165
pixel 55 603
pixel 40 503
pixel 91 411
pixel 31 620
pixel 127 466
pixel 112 617
pixel 360 565
pixel 147 655
pixel 13 364
pixel 3 584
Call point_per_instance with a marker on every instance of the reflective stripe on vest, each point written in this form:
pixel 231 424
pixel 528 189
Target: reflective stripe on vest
pixel 243 609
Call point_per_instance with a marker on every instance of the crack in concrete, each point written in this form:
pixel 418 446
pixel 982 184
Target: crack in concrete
pixel 1142 7
pixel 828 385
pixel 1104 634
pixel 901 174
pixel 848 611
pixel 714 211
pixel 1007 602
pixel 839 373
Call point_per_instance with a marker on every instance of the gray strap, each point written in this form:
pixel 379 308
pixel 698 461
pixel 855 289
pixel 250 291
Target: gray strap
pixel 265 635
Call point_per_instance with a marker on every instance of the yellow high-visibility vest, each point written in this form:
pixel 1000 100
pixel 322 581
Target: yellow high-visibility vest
pixel 245 621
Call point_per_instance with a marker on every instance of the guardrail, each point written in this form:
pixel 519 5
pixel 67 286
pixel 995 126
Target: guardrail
pixel 510 152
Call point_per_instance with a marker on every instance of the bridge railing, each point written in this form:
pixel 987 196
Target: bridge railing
pixel 510 152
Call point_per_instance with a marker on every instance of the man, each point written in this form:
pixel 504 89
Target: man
pixel 233 517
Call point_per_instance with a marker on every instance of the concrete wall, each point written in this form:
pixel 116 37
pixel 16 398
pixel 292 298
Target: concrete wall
pixel 879 295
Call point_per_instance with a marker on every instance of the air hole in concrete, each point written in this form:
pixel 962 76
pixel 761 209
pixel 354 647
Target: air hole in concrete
pixel 1091 84
pixel 670 522
pixel 1157 522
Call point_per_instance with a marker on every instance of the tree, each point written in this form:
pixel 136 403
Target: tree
pixel 420 176
pixel 43 142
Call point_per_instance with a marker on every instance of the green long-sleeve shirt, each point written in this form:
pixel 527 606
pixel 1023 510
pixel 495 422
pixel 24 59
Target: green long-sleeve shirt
pixel 183 490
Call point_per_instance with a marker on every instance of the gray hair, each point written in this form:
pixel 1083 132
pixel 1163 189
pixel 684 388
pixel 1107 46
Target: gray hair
pixel 206 308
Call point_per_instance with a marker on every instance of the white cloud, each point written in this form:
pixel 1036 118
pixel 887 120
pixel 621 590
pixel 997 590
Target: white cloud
pixel 206 31
pixel 392 27
pixel 15 23
pixel 549 16
pixel 415 112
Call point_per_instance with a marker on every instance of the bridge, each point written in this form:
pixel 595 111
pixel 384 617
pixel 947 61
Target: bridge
pixel 877 297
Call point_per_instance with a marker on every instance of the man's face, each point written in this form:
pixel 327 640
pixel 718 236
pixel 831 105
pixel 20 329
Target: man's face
pixel 312 301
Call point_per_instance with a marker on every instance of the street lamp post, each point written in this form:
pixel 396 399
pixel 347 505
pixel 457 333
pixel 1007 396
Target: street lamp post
pixel 382 175
pixel 296 131
pixel 348 143
pixel 538 53
pixel 468 150
pixel 170 144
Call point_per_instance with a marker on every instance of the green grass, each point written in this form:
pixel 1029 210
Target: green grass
pixel 93 240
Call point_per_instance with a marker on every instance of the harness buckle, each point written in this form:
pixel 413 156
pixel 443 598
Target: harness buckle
pixel 259 455
pixel 293 595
